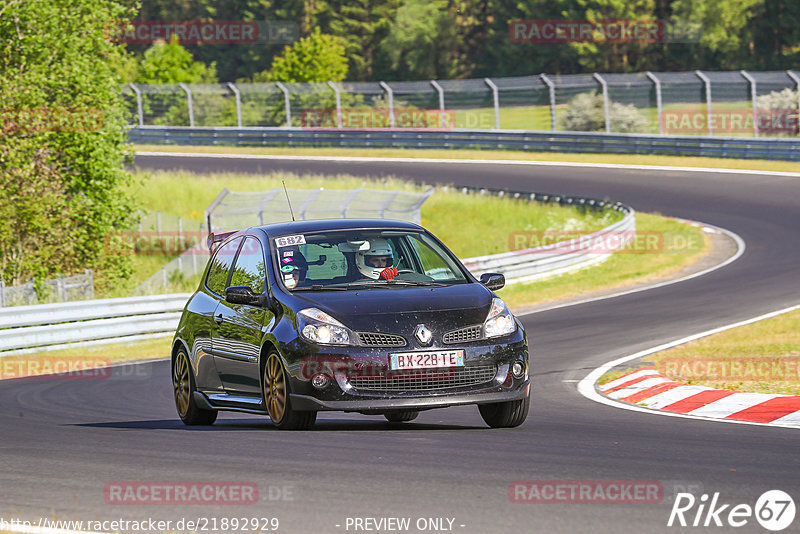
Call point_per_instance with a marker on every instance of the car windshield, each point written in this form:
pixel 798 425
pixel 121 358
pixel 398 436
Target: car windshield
pixel 359 259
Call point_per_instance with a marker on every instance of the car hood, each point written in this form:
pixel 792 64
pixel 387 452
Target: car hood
pixel 395 310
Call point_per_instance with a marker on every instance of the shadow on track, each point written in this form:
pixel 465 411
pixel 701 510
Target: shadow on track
pixel 326 425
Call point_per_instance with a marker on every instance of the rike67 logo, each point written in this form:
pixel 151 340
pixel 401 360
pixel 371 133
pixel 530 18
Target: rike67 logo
pixel 774 510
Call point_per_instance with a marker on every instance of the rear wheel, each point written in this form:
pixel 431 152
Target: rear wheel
pixel 400 417
pixel 183 387
pixel 276 397
pixel 505 414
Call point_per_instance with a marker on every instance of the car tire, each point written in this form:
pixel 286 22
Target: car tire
pixel 184 387
pixel 505 414
pixel 275 388
pixel 401 417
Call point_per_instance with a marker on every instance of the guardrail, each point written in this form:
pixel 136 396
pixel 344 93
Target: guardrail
pixel 44 325
pixel 96 321
pixel 687 145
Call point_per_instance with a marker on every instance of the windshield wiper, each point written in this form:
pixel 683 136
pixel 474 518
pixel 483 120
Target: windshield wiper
pixel 320 287
pixel 395 282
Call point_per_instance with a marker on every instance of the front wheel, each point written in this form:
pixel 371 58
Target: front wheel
pixel 505 414
pixel 400 417
pixel 276 397
pixel 183 387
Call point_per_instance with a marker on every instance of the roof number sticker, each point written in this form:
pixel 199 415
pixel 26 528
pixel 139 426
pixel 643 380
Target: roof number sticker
pixel 289 240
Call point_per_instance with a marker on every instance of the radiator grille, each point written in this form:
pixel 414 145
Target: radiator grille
pixel 426 379
pixel 374 339
pixel 463 335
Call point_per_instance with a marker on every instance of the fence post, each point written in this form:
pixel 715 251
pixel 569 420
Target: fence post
pixel 754 94
pixel 442 119
pixel 139 107
pixel 2 294
pixel 606 113
pixel 188 102
pixel 707 83
pixel 552 88
pixel 338 103
pixel 390 97
pixel 89 283
pixel 238 96
pixel 158 224
pixel 659 108
pixel 796 79
pixel 214 203
pixel 496 98
pixel 286 103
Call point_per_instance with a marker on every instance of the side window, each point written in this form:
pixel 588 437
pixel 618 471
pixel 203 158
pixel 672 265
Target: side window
pixel 250 270
pixel 220 265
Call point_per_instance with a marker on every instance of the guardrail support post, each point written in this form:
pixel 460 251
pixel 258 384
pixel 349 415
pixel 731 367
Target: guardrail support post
pixel 188 102
pixel 139 107
pixel 286 103
pixel 796 79
pixel 496 99
pixel 338 103
pixel 707 83
pixel 2 294
pixel 552 89
pixel 754 94
pixel 659 105
pixel 606 113
pixel 442 119
pixel 390 97
pixel 238 96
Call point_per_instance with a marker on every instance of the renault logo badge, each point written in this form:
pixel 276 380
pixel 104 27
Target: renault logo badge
pixel 423 334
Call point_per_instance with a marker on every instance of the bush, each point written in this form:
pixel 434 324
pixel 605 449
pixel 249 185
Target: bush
pixel 62 143
pixel 786 99
pixel 585 113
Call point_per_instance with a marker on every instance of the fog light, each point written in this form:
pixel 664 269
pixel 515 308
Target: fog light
pixel 518 369
pixel 319 381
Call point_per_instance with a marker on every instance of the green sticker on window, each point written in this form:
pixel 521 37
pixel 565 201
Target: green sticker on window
pixel 287 268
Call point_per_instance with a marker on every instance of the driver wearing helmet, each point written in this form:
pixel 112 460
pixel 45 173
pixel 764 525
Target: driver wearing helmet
pixel 377 261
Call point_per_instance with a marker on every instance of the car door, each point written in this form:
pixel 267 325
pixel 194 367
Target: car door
pixel 237 339
pixel 203 325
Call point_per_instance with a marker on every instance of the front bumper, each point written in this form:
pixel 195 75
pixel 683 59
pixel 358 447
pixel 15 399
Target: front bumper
pixel 416 403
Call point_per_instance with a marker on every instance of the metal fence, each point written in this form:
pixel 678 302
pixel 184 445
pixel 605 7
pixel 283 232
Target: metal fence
pixel 237 210
pixel 61 289
pixel 739 103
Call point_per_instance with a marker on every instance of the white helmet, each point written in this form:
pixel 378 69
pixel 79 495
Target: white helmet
pixel 378 247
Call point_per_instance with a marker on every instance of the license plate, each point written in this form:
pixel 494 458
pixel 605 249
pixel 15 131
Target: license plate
pixel 426 360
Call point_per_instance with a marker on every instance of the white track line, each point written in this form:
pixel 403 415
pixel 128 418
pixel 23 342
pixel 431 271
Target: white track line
pixel 587 389
pixel 454 161
pixel 740 248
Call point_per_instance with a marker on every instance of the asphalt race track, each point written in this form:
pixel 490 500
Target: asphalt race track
pixel 63 441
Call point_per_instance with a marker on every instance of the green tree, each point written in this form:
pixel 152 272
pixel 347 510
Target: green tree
pixel 62 141
pixel 172 63
pixel 422 41
pixel 316 58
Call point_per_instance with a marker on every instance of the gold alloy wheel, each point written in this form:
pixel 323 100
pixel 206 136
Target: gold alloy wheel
pixel 275 388
pixel 181 383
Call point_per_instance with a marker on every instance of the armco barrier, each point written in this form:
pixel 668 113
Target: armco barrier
pixel 44 325
pixel 687 145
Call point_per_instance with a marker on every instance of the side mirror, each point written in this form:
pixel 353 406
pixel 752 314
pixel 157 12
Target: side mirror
pixel 245 295
pixel 493 281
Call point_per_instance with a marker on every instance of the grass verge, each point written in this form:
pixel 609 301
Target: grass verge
pixel 762 357
pixel 514 155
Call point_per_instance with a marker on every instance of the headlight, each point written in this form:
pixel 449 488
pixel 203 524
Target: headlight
pixel 318 327
pixel 499 322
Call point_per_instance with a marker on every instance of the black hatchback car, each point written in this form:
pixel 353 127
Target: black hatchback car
pixel 369 316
